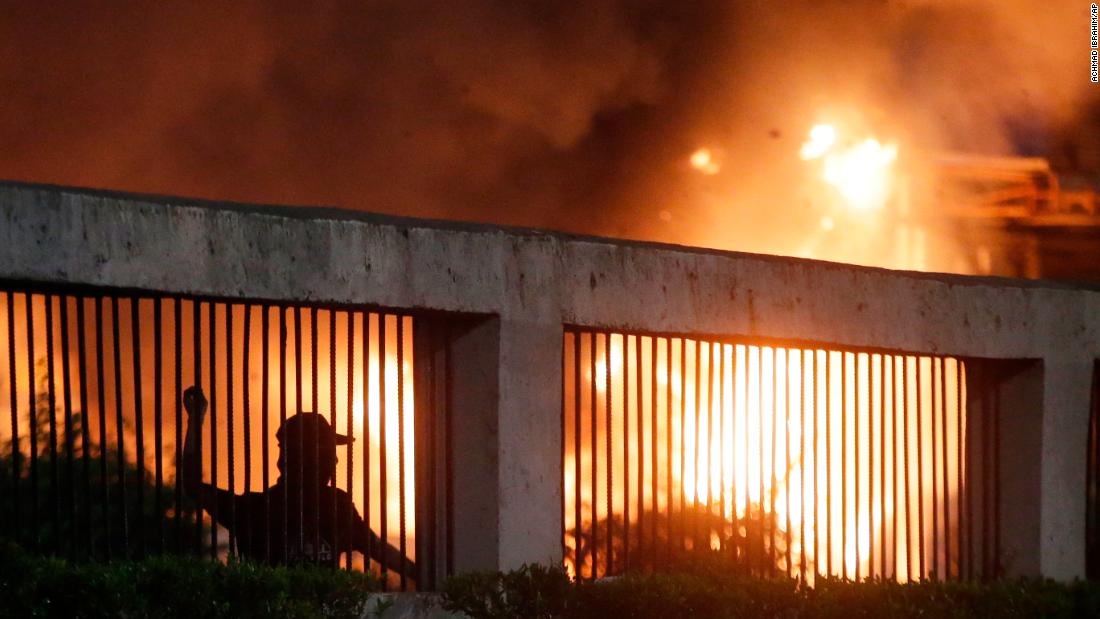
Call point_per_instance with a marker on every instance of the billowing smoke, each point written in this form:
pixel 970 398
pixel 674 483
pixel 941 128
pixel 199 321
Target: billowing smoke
pixel 568 115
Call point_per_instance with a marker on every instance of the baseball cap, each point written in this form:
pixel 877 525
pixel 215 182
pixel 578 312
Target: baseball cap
pixel 311 424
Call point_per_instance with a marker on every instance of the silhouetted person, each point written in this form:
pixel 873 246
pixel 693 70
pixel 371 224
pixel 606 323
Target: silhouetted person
pixel 320 520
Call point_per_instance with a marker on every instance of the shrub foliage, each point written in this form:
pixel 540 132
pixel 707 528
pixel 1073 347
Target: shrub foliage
pixel 32 586
pixel 709 588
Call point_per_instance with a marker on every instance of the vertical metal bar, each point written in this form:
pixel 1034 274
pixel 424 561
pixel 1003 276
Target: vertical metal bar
pixel 335 562
pixel 905 468
pixel 708 504
pixel 139 425
pixel 870 464
pixel 51 394
pixel 16 450
pixel 401 444
pixel 299 499
pixel 196 358
pixel 158 419
pixel 85 431
pixel 844 463
pixel 920 469
pixel 213 371
pixel 669 388
pixel 787 451
pixel 119 426
pixel 890 466
pixel 652 452
pixel 668 448
pixel 882 463
pixel 640 429
pixel 382 439
pixel 230 444
pixel 856 444
pixel 829 530
pixel 607 436
pixel 594 459
pixel 802 434
pixel 697 371
pixel 284 312
pixel 351 430
pixel 936 403
pixel 760 450
pixel 577 471
pixel 105 501
pixel 67 400
pixel 895 407
pixel 817 459
pixel 32 407
pixel 944 466
pixel 773 520
pixel 246 385
pixel 177 368
pixel 965 508
pixel 626 452
pixel 365 369
pixel 314 445
pixel 265 432
pixel 722 447
pixel 683 428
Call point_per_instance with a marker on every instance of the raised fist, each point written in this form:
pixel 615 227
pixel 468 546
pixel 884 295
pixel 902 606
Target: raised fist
pixel 194 401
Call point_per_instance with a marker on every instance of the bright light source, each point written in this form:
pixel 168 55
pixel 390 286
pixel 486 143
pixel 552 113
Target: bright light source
pixel 822 138
pixel 703 159
pixel 860 172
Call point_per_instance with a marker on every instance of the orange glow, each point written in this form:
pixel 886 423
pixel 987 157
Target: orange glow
pixel 705 160
pixel 325 389
pixel 860 172
pixel 812 441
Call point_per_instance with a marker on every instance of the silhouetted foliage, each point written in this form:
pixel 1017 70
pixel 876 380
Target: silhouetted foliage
pixel 185 587
pixel 711 586
pixel 753 544
pixel 77 498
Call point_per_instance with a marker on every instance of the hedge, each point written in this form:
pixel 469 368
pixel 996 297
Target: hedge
pixel 710 591
pixel 194 588
pixel 185 587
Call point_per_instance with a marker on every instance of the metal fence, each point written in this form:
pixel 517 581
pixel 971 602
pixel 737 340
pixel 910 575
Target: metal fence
pixel 802 460
pixel 94 429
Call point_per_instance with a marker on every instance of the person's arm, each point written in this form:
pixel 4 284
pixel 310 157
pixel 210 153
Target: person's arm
pixel 366 542
pixel 205 495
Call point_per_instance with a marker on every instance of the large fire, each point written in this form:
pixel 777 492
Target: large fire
pixel 860 172
pixel 815 444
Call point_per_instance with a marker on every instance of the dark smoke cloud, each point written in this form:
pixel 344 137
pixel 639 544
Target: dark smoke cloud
pixel 569 115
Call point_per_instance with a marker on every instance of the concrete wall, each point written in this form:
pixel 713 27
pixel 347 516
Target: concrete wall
pixel 533 282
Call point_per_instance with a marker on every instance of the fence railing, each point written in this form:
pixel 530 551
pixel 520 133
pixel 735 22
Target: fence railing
pixel 95 433
pixel 803 460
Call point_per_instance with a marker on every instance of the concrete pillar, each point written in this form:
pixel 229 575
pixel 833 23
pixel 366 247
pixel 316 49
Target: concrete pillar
pixel 473 352
pixel 1019 386
pixel 530 443
pixel 1066 392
